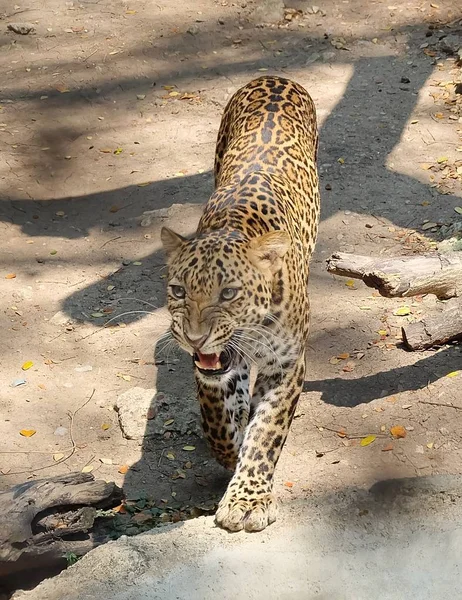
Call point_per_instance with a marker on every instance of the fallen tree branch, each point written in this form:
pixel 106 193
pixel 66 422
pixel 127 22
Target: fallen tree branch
pixel 436 330
pixel 401 276
pixel 37 516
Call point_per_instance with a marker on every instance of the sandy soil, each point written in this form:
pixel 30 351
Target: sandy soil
pixel 111 108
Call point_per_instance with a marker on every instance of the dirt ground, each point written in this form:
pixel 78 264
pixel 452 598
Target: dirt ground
pixel 111 108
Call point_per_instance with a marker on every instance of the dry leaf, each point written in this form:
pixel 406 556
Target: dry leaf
pixel 168 422
pixel 367 440
pixel 430 445
pixel 402 311
pixel 189 448
pixel 170 456
pixel 343 356
pixel 388 447
pixel 87 469
pixel 58 456
pixel 398 431
pixel 289 484
pixel 63 89
pixel 341 433
pixel 105 426
pixel 27 432
pixel 350 283
pixel 10 276
pixel 106 461
pixel 27 365
pixel 123 469
pixel 453 374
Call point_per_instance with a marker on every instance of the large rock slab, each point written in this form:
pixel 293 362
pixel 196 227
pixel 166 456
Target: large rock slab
pixel 145 413
pixel 399 539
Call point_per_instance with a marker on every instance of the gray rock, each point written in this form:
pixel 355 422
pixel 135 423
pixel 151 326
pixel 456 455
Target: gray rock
pixel 144 413
pixel 21 28
pixel 451 44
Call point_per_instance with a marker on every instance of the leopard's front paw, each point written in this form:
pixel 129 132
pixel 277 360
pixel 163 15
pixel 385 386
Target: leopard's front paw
pixel 252 514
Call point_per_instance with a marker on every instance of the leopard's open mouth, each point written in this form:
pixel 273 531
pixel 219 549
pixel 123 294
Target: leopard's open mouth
pixel 213 364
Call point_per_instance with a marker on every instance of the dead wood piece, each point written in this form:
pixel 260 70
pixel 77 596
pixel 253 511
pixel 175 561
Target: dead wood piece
pixel 20 530
pixel 439 274
pixel 436 330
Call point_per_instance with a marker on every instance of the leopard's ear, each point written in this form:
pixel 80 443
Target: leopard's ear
pixel 170 240
pixel 267 251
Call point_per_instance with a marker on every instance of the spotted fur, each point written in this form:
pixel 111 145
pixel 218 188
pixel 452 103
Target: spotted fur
pixel 255 237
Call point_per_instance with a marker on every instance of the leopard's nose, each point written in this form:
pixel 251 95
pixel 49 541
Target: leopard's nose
pixel 195 341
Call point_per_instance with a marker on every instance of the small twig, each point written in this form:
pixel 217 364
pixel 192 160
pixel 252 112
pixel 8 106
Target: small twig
pixel 350 436
pixel 160 459
pixel 443 404
pixel 71 416
pixel 111 240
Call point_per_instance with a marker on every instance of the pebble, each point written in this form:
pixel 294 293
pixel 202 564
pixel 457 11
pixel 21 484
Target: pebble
pixel 60 431
pixel 83 369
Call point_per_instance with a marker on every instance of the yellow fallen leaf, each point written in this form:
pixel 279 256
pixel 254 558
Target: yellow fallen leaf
pixel 173 94
pixel 124 377
pixel 105 426
pixel 143 184
pixel 442 159
pixel 87 469
pixel 170 456
pixel 350 283
pixel 27 432
pixel 189 448
pixel 367 440
pixel 58 456
pixel 10 276
pixel 27 365
pixel 402 311
pixel 430 445
pixel 398 431
pixel 130 12
pixel 453 374
pixel 168 87
pixel 168 422
pixel 118 151
pixel 341 160
pixel 382 332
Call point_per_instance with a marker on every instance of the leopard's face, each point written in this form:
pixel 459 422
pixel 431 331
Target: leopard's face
pixel 219 289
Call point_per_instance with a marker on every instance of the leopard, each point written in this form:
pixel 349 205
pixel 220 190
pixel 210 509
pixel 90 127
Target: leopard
pixel 237 289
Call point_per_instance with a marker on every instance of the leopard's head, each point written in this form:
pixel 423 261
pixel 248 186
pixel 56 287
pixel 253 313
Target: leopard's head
pixel 220 287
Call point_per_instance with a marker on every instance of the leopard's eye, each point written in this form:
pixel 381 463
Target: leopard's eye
pixel 228 294
pixel 178 292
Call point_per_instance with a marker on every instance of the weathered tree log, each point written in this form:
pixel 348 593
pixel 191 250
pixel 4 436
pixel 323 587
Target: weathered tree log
pixel 436 330
pixel 401 276
pixel 42 520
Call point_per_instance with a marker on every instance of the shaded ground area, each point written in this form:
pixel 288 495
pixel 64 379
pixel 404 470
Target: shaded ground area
pixel 109 110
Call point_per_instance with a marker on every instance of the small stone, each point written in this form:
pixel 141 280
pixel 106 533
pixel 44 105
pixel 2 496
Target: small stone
pixel 405 80
pixel 83 369
pixel 443 431
pixel 126 262
pixel 140 96
pixel 60 431
pixel 328 186
pixel 419 449
pixel 193 30
pixel 21 28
